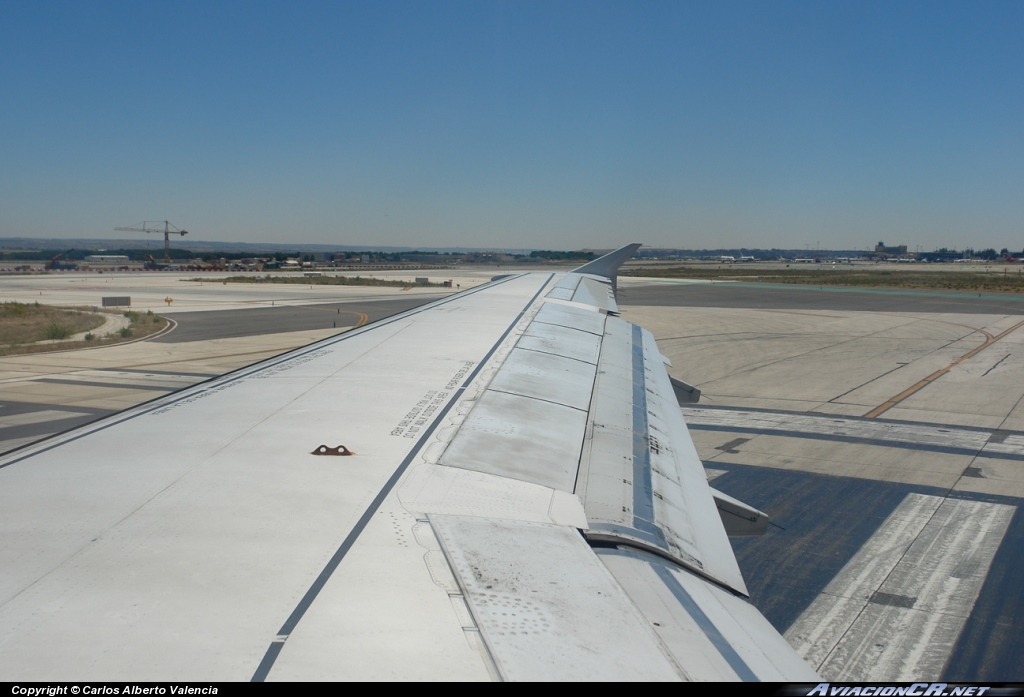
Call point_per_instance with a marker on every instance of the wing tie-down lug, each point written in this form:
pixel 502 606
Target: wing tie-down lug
pixel 339 450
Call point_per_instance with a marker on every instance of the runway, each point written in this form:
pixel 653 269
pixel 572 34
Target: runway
pixel 897 536
pixel 729 294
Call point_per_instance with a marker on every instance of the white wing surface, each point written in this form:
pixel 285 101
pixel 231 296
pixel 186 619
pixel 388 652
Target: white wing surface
pixel 523 503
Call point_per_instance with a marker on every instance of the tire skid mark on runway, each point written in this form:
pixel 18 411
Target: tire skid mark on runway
pixel 991 644
pixel 803 550
pixel 896 609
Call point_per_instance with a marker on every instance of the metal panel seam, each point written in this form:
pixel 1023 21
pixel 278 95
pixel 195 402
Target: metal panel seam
pixel 549 353
pixel 539 399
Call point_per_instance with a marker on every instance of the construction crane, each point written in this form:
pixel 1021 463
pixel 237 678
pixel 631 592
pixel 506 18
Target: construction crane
pixel 57 265
pixel 168 230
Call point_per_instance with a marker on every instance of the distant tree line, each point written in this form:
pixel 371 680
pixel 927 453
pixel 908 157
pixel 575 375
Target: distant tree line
pixel 986 254
pixel 563 256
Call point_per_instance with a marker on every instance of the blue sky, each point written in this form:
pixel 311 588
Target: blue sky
pixel 554 124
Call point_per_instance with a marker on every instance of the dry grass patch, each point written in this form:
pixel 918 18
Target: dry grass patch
pixel 22 326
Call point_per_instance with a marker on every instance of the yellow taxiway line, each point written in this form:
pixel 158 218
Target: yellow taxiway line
pixel 989 340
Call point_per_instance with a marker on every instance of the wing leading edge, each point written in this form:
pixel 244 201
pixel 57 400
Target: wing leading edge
pixel 524 503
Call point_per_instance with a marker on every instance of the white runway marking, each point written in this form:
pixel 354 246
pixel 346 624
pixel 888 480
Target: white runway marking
pixel 896 609
pixel 828 425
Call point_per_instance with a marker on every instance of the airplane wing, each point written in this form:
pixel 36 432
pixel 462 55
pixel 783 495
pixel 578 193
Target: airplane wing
pixel 498 485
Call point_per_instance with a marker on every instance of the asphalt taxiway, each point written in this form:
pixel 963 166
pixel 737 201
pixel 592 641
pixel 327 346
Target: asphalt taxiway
pixel 883 431
pixel 229 324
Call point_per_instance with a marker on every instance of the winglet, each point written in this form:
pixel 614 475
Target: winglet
pixel 609 264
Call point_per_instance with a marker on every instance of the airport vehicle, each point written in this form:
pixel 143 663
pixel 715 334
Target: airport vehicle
pixel 55 264
pixel 495 485
pixel 153 264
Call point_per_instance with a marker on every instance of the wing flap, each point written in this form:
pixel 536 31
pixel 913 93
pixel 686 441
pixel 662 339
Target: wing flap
pixel 640 478
pixel 546 606
pixel 713 633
